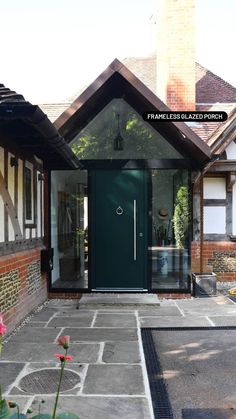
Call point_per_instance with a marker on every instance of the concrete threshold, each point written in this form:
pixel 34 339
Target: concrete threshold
pixel 103 300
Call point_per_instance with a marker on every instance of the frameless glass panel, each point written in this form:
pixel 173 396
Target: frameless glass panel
pixel 170 229
pixel 69 229
pixel 119 132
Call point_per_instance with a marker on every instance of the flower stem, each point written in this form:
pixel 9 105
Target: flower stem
pixel 63 363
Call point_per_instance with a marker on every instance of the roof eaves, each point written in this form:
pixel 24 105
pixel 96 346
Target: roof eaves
pixel 14 107
pixel 224 134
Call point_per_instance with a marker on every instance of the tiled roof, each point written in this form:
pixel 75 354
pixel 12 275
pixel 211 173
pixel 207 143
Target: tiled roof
pixel 26 127
pixel 211 88
pixel 212 92
pixel 7 95
pixel 206 129
pixel 54 110
pixel 144 69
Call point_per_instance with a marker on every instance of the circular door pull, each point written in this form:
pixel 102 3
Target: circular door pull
pixel 119 211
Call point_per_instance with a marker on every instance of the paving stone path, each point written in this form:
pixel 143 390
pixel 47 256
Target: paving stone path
pixel 106 346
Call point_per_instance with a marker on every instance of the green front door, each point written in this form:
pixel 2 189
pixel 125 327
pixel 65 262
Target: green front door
pixel 118 229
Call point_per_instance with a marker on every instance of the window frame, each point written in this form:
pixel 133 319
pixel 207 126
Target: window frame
pixel 30 222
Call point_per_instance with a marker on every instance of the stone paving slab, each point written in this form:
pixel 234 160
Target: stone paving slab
pixel 84 320
pixel 210 311
pixel 91 407
pixel 100 334
pixel 44 315
pixel 223 321
pixel 169 321
pixel 121 352
pixel 42 334
pixel 33 352
pixel 114 379
pixel 73 312
pixel 33 324
pixel 115 320
pixel 164 310
pixel 99 300
pixel 9 372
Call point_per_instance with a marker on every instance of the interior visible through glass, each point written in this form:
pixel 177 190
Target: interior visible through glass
pixel 169 252
pixel 119 132
pixel 69 229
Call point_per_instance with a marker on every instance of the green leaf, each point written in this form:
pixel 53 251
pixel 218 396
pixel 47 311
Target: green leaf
pixel 42 416
pixel 21 416
pixel 4 410
pixel 67 415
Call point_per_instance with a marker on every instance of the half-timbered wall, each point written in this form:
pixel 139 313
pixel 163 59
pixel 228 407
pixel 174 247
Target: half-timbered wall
pixel 22 285
pixel 18 231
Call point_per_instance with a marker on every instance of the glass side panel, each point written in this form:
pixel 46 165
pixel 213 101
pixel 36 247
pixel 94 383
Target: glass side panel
pixel 119 132
pixel 69 228
pixel 171 203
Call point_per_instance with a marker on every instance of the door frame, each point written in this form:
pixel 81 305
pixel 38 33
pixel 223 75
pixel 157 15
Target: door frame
pixel 91 272
pixel 89 165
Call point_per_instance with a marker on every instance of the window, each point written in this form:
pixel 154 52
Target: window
pixel 29 193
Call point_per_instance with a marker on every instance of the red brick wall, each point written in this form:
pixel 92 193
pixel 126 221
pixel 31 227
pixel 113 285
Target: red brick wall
pixel 176 54
pixel 22 286
pixel 218 257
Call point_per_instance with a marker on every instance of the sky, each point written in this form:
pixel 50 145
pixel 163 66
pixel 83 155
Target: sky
pixel 51 49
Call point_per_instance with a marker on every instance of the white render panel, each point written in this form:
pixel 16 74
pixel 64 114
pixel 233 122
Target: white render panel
pixel 231 151
pixel 2 236
pixel 39 205
pixel 2 160
pixel 11 190
pixel 20 193
pixel 234 210
pixel 11 178
pixel 42 208
pixel 214 188
pixel 33 233
pixel 214 220
pixel 11 233
pixel 27 233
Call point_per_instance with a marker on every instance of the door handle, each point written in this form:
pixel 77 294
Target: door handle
pixel 135 230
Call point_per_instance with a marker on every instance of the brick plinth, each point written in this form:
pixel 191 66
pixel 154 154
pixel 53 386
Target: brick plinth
pixel 22 286
pixel 218 257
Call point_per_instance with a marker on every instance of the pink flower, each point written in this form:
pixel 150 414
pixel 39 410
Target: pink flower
pixel 2 326
pixel 64 341
pixel 63 357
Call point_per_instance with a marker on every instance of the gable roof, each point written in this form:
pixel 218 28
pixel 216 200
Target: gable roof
pixel 26 127
pixel 118 81
pixel 224 134
pixel 210 88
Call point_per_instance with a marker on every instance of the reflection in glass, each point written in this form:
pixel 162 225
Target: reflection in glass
pixel 170 229
pixel 69 224
pixel 119 132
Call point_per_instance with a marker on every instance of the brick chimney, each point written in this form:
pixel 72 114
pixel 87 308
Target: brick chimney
pixel 176 54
